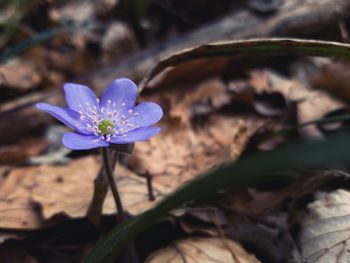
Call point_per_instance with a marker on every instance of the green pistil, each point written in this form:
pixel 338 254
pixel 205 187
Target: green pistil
pixel 105 126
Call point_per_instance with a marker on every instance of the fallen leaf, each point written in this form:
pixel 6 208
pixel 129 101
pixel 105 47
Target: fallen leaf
pixel 65 189
pixel 195 137
pixel 118 41
pixel 17 209
pixel 19 76
pixel 134 193
pixel 25 149
pixel 11 154
pixel 202 250
pixel 333 77
pixel 324 234
pixel 30 196
pixel 182 153
pixel 311 104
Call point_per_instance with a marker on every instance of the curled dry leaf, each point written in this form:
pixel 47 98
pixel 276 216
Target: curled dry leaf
pixel 333 77
pixel 202 250
pixel 195 136
pixel 311 104
pixel 325 234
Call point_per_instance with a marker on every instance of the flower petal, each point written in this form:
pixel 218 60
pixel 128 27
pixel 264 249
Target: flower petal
pixel 145 114
pixel 138 135
pixel 80 97
pixel 121 94
pixel 66 116
pixel 75 141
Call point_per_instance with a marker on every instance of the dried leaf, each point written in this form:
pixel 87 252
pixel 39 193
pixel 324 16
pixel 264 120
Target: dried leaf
pixel 54 189
pixel 118 41
pixel 312 104
pixel 333 77
pixel 17 209
pixel 66 190
pixel 182 153
pixel 202 250
pixel 19 75
pixel 134 193
pixel 325 224
pixel 21 151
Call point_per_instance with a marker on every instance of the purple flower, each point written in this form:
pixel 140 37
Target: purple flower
pixel 112 120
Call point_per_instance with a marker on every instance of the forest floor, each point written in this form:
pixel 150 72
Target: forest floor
pixel 217 110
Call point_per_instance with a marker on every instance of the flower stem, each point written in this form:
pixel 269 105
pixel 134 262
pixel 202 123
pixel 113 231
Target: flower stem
pixel 150 187
pixel 131 255
pixel 109 173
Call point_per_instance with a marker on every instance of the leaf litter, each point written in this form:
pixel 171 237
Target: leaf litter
pixel 212 117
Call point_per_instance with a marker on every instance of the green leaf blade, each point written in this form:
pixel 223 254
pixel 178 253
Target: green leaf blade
pixel 251 170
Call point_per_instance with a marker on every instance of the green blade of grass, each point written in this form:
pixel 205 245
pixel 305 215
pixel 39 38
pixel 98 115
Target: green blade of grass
pixel 250 170
pixel 40 38
pixel 252 47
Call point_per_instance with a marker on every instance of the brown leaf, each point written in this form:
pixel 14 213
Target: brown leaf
pixel 21 151
pixel 177 155
pixel 32 195
pixel 65 189
pixel 75 181
pixel 194 137
pixel 118 41
pixel 334 78
pixel 312 104
pixel 134 193
pixel 19 75
pixel 324 235
pixel 17 209
pixel 202 250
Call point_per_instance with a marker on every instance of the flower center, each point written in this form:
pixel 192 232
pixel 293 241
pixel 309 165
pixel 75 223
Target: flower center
pixel 105 126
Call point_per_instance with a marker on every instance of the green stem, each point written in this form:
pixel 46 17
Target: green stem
pixel 113 185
